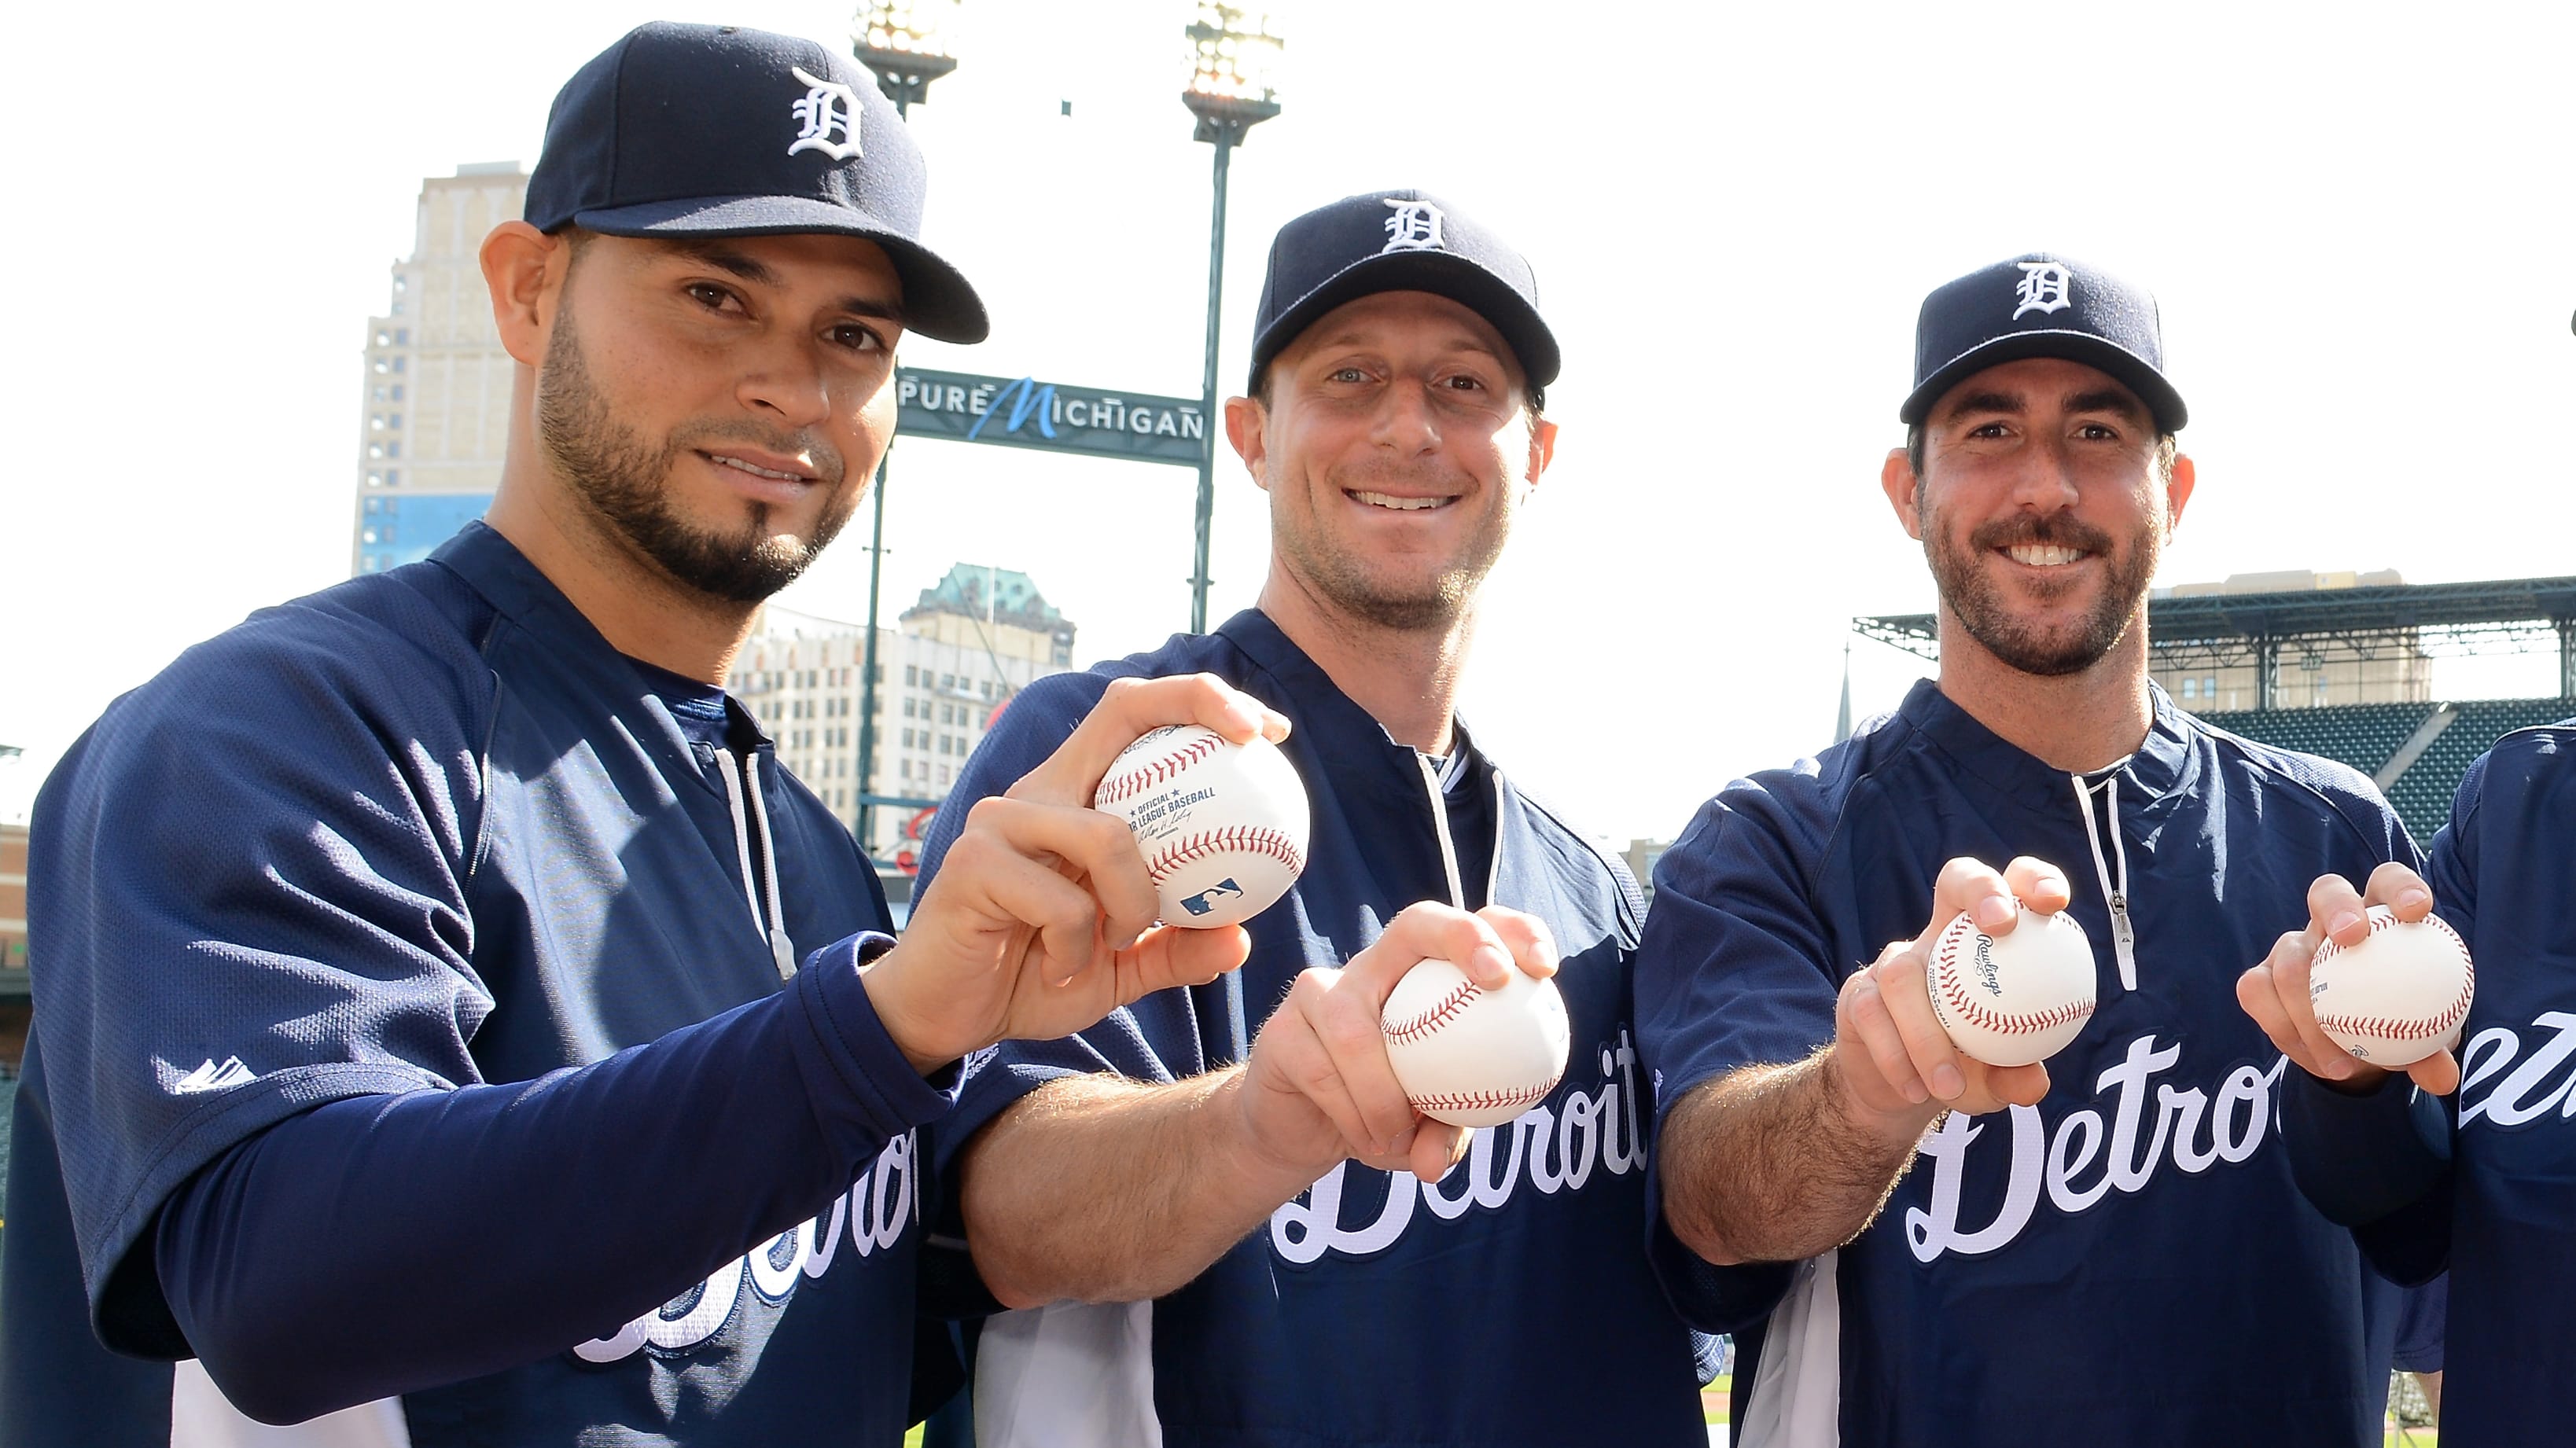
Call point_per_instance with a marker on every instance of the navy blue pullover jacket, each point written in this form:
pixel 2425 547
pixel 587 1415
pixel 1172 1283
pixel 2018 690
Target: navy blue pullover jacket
pixel 2127 1263
pixel 1510 1303
pixel 409 1020
pixel 2484 1181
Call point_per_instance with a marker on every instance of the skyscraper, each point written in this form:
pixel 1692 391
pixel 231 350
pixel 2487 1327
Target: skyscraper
pixel 436 396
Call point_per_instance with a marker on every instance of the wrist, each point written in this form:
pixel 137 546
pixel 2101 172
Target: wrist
pixel 888 982
pixel 1901 1126
pixel 1251 1154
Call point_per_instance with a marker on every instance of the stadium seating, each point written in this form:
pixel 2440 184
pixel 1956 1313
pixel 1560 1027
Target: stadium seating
pixel 2365 736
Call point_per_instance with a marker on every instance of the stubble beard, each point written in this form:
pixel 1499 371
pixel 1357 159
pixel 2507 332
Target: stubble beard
pixel 1972 599
pixel 1346 583
pixel 625 483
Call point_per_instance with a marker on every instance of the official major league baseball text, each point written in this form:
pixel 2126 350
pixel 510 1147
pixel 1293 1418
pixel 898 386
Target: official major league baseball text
pixel 2398 996
pixel 2017 998
pixel 1469 1056
pixel 1222 825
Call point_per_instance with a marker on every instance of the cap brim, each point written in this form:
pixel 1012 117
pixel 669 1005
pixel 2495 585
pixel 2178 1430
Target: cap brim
pixel 2130 370
pixel 938 301
pixel 1440 273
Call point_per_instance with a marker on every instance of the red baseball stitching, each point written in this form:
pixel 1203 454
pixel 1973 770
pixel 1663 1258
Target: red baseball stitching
pixel 1484 1100
pixel 1145 776
pixel 2392 1028
pixel 1249 838
pixel 1945 971
pixel 1407 1031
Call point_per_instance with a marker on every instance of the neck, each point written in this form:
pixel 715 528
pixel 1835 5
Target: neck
pixel 1407 679
pixel 2076 722
pixel 641 610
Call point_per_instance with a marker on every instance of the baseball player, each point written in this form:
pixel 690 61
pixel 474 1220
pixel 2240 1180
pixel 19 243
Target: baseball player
pixel 2106 1248
pixel 2467 1166
pixel 1289 1254
pixel 452 1027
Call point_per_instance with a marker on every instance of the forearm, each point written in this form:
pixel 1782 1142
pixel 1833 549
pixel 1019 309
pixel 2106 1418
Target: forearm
pixel 384 1244
pixel 1106 1190
pixel 2363 1156
pixel 1774 1164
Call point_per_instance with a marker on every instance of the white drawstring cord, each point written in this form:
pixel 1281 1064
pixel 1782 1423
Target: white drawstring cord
pixel 781 950
pixel 2124 939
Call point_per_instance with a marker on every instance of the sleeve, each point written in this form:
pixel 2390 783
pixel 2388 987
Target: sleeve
pixel 338 1310
pixel 2381 1163
pixel 1735 970
pixel 247 893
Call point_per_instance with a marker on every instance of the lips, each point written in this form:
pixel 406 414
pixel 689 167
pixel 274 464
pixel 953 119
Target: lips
pixel 1396 502
pixel 730 460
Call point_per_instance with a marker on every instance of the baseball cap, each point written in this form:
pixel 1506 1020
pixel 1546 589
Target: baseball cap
pixel 1398 241
pixel 714 130
pixel 2041 305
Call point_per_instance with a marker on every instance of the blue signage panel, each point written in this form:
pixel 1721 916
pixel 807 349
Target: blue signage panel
pixel 1056 416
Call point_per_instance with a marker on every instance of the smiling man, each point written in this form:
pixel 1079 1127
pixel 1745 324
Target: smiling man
pixel 2106 1248
pixel 452 1027
pixel 1232 1170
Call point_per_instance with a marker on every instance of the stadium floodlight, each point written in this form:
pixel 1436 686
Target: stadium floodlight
pixel 905 42
pixel 1234 59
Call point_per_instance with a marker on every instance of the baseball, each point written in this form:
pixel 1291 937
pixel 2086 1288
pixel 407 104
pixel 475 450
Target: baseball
pixel 2397 997
pixel 1222 825
pixel 2013 999
pixel 1470 1056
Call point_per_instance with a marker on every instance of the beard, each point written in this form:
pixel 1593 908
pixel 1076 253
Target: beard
pixel 626 483
pixel 1972 598
pixel 1415 604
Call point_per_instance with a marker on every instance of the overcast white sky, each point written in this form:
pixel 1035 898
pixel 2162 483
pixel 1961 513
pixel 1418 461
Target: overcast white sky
pixel 2357 218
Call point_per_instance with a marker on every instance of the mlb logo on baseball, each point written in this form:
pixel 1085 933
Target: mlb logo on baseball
pixel 1222 825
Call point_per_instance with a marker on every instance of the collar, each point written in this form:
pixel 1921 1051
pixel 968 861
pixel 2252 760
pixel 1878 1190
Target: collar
pixel 2163 770
pixel 495 568
pixel 1331 720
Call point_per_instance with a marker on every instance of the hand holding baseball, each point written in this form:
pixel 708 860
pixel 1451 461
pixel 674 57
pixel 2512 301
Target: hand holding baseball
pixel 2278 992
pixel 1897 1064
pixel 1041 919
pixel 1320 1087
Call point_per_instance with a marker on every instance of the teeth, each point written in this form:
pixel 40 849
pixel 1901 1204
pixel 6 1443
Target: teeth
pixel 2042 555
pixel 755 472
pixel 1384 500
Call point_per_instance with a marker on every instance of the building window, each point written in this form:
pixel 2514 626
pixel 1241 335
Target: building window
pixel 398 392
pixel 402 336
pixel 2191 688
pixel 911 674
pixel 2209 687
pixel 393 449
pixel 943 776
pixel 398 364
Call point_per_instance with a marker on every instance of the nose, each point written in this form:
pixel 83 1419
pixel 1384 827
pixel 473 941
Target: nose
pixel 2044 476
pixel 1406 421
pixel 783 381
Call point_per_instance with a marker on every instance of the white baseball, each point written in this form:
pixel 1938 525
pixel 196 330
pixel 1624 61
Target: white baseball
pixel 1471 1056
pixel 1222 825
pixel 2398 996
pixel 2013 999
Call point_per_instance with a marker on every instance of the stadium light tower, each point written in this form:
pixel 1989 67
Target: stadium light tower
pixel 905 43
pixel 1234 54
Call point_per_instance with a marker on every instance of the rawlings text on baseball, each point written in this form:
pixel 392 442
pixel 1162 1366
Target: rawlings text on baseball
pixel 1470 1056
pixel 2398 996
pixel 1222 825
pixel 2015 998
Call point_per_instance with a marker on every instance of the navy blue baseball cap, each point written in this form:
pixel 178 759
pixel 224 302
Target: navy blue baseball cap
pixel 2041 305
pixel 714 130
pixel 1398 241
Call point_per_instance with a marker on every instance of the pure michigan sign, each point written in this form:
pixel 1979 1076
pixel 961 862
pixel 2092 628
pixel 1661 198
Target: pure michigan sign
pixel 1059 417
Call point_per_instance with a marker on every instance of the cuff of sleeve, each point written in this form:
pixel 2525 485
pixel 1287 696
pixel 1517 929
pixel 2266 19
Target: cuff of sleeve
pixel 856 1075
pixel 2358 1158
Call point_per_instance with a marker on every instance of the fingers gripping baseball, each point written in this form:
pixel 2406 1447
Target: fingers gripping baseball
pixel 1127 710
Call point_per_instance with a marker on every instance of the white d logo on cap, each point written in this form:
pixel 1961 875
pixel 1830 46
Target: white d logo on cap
pixel 1415 226
pixel 829 107
pixel 2042 288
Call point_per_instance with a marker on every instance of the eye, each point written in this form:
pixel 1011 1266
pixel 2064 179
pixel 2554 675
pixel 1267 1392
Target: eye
pixel 713 297
pixel 1347 374
pixel 1463 382
pixel 855 337
pixel 1987 429
pixel 2101 432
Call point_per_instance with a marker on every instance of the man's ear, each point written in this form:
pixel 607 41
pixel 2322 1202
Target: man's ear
pixel 1896 478
pixel 1542 450
pixel 2178 492
pixel 1247 427
pixel 523 268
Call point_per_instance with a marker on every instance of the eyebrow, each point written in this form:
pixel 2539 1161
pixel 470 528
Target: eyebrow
pixel 759 273
pixel 2100 399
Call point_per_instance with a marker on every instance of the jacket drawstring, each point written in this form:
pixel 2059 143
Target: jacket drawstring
pixel 742 792
pixel 2124 939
